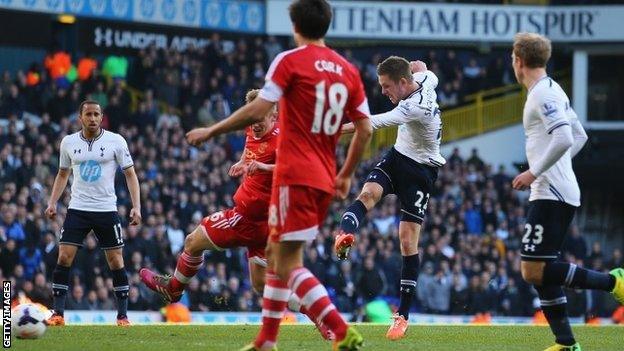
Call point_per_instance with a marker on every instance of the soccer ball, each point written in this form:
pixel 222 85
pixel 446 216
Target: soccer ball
pixel 28 321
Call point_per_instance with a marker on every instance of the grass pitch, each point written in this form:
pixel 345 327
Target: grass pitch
pixel 305 337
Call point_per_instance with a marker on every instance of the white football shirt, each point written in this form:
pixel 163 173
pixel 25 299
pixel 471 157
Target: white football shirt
pixel 418 118
pixel 546 109
pixel 94 164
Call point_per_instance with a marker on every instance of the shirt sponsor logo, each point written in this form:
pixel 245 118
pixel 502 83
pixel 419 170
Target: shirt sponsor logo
pixel 90 171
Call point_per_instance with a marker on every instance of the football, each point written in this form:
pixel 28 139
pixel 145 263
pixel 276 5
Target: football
pixel 28 321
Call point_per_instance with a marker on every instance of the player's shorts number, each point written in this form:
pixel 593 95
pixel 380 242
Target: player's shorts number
pixel 419 202
pixel 537 231
pixel 216 216
pixel 329 120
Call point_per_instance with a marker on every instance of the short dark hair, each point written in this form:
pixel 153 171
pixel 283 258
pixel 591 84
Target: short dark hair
pixel 396 68
pixel 311 17
pixel 87 102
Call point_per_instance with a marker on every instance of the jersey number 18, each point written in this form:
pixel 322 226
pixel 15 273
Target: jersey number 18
pixel 329 120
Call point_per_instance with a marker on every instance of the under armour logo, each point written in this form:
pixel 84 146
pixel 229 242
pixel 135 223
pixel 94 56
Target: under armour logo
pixel 103 35
pixel 102 151
pixel 77 151
pixel 528 247
pixel 421 211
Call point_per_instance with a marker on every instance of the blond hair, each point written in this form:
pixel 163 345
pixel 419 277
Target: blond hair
pixel 251 95
pixel 533 49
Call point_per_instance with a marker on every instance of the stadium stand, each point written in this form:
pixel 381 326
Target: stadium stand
pixel 470 245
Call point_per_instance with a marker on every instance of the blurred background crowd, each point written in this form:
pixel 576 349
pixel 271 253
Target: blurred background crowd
pixel 470 242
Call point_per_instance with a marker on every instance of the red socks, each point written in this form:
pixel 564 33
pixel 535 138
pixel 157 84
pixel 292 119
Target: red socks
pixel 186 269
pixel 314 300
pixel 274 301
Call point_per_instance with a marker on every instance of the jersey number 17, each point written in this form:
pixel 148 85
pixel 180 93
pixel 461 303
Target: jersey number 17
pixel 328 121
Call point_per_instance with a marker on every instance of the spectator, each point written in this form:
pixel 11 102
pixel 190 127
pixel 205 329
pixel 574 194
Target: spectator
pixel 472 75
pixel 30 259
pixel 77 300
pixel 438 293
pixel 448 96
pixel 104 300
pixel 475 160
pixel 575 244
pixel 459 296
pixel 9 257
pixel 92 301
pixel 135 301
pixel 12 228
pixel 473 219
pixel 371 283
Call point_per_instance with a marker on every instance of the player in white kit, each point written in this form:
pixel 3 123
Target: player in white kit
pixel 93 155
pixel 554 136
pixel 409 169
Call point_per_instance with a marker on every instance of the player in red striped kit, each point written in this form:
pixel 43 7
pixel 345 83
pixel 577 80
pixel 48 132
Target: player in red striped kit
pixel 244 225
pixel 316 89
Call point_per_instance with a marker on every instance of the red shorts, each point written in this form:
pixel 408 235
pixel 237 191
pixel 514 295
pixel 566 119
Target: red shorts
pixel 228 229
pixel 296 212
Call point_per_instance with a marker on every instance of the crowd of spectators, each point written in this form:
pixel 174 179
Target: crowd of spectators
pixel 203 85
pixel 469 245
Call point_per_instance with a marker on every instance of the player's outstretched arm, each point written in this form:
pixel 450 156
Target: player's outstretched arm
pixel 403 113
pixel 359 142
pixel 245 116
pixel 135 195
pixel 60 182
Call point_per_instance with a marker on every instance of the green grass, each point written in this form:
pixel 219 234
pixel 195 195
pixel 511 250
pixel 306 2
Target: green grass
pixel 305 337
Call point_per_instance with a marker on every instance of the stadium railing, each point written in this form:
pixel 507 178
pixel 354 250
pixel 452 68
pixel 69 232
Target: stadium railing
pixel 486 110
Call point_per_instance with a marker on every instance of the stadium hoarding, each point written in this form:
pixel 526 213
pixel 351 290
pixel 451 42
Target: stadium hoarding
pixel 459 22
pixel 127 38
pixel 151 317
pixel 237 16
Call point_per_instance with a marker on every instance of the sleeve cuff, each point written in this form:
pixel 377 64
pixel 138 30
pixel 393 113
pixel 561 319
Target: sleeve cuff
pixel 271 91
pixel 557 125
pixel 534 172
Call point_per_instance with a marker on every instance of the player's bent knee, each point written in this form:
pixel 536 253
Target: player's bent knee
pixel 196 242
pixel 65 258
pixel 115 259
pixel 368 198
pixel 532 272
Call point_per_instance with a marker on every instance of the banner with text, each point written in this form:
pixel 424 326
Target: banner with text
pixel 127 38
pixel 237 16
pixel 436 22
